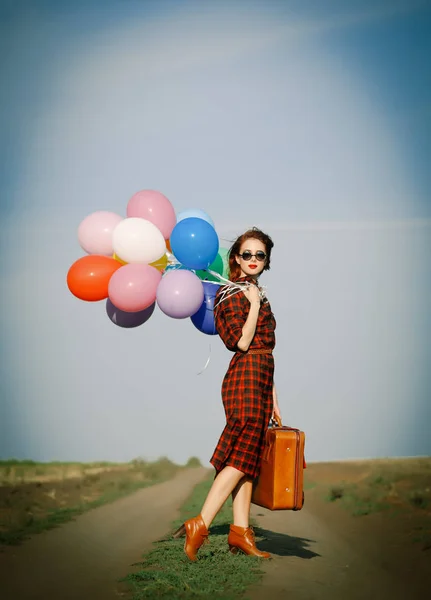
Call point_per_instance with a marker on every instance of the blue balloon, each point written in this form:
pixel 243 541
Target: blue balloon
pixel 195 212
pixel 194 243
pixel 204 318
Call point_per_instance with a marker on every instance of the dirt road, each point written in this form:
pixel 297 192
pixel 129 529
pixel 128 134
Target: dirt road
pixel 322 552
pixel 84 559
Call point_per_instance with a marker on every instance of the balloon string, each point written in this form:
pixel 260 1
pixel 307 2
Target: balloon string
pixel 225 295
pixel 230 290
pixel 218 276
pixel 207 363
pixel 236 287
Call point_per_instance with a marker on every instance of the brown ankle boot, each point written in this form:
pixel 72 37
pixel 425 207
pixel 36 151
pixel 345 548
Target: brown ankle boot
pixel 242 538
pixel 196 534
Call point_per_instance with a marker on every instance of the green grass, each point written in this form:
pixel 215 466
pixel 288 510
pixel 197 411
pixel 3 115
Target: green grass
pixel 167 573
pixel 372 495
pixel 359 500
pixel 309 485
pixel 420 498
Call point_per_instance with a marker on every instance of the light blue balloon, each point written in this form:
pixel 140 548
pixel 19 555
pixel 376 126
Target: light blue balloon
pixel 195 212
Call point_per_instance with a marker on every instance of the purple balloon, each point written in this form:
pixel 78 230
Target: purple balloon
pixel 180 294
pixel 128 319
pixel 203 319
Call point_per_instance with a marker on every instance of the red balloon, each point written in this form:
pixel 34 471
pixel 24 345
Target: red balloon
pixel 88 277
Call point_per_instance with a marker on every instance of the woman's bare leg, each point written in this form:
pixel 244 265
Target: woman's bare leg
pixel 223 485
pixel 241 496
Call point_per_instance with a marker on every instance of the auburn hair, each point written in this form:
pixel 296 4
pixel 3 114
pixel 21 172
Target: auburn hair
pixel 251 234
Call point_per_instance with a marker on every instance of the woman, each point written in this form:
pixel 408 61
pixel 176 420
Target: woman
pixel 246 325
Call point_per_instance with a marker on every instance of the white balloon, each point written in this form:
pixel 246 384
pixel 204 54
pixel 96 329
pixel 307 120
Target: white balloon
pixel 137 240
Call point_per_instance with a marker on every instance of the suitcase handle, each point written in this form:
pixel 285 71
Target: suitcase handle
pixel 276 419
pixel 277 423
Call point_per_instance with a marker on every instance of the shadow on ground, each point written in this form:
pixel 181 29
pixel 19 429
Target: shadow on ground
pixel 275 543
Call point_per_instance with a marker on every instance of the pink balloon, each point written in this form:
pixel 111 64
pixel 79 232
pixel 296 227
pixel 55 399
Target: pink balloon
pixel 180 294
pixel 95 232
pixel 155 207
pixel 134 287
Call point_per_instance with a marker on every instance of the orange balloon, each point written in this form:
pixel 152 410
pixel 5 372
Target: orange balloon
pixel 168 245
pixel 88 277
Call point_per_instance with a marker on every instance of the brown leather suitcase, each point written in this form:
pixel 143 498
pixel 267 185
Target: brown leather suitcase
pixel 280 482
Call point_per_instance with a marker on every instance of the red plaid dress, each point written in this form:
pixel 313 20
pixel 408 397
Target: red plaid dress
pixel 247 385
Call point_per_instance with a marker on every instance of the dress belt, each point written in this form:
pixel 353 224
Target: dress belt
pixel 259 351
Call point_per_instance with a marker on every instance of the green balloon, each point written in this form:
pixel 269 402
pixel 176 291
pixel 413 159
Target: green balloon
pixel 224 253
pixel 219 265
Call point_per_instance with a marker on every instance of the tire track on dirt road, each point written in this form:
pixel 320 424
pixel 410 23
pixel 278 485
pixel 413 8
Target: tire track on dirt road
pixel 84 559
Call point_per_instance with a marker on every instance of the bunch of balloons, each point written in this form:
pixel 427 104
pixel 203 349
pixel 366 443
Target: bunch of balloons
pixel 151 256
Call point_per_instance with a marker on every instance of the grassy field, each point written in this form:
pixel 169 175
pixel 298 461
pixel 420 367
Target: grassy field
pixel 39 496
pixel 384 484
pixel 394 488
pixel 167 573
pixel 15 472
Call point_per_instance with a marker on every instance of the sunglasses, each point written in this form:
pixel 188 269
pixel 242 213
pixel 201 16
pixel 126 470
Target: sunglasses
pixel 246 255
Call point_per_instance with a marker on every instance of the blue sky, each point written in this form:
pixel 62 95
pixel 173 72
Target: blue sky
pixel 310 119
pixel 380 47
